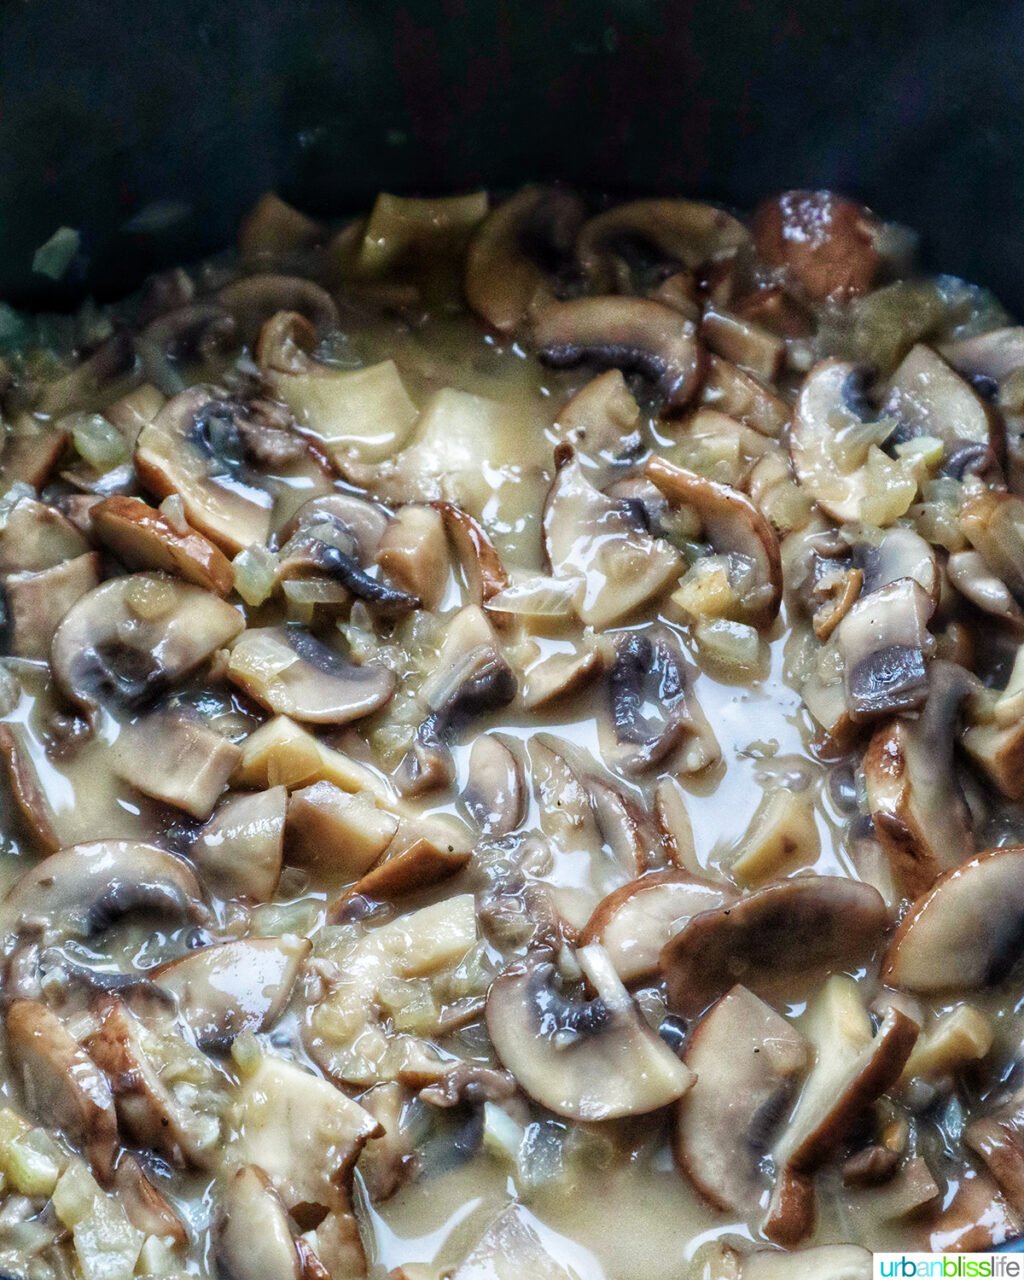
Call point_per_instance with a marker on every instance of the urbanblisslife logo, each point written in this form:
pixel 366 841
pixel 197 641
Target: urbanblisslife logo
pixel 947 1266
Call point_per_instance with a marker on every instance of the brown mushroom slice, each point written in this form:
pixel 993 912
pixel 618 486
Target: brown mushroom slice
pixel 30 454
pixel 289 671
pixel 743 342
pixel 738 394
pixel 27 790
pixel 494 795
pixel 254 299
pixel 148 1110
pixel 994 525
pixel 832 445
pixel 231 987
pixel 748 1061
pixel 649 672
pixel 62 1084
pixel 81 890
pixel 182 451
pixel 176 758
pixel 778 934
pixel 853 1065
pixel 917 804
pixel 929 398
pixel 884 644
pixel 505 265
pixel 273 229
pixel 484 572
pixel 239 851
pixel 420 866
pixel 135 636
pixel 898 552
pixel 35 536
pixel 633 334
pixel 584 1059
pixel 597 543
pixel 975 1219
pixel 965 932
pixel 734 527
pixel 303 1131
pixel 254 1235
pixel 330 830
pixel 142 537
pixel 38 602
pixel 827 243
pixel 148 1209
pixel 998 1138
pixel 635 921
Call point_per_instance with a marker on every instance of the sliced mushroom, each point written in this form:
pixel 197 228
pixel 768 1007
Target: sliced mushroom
pixel 254 1233
pixel 231 987
pixel 734 527
pixel 413 552
pixel 965 932
pixel 748 1062
pixel 514 252
pixel 916 802
pixel 634 839
pixel 584 1059
pixel 239 851
pixel 819 1262
pixel 330 830
pixel 782 834
pixel 192 449
pixel 884 645
pixel 744 342
pixel 602 423
pixel 38 602
pixel 603 547
pixel 634 922
pixel 27 790
pixel 62 1085
pixel 826 243
pixel 254 299
pixel 994 354
pixel 738 394
pixel 272 229
pixel 410 870
pixel 783 932
pixel 304 1132
pixel 494 795
pixel 135 636
pixel 976 1218
pixel 832 443
pixel 150 1112
pixel 34 536
pixel 969 573
pixel 289 671
pixel 994 525
pixel 559 676
pixel 999 1139
pixel 148 1209
pixel 142 537
pixel 30 454
pixel 176 758
pixel 484 572
pixel 898 552
pixel 112 360
pixel 634 334
pixel 194 333
pixel 927 397
pixel 649 671
pixel 81 890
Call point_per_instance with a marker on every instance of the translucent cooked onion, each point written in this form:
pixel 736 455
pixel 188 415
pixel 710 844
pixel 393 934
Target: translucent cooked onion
pixel 255 570
pixel 98 441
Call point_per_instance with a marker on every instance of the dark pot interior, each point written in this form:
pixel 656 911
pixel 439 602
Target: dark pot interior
pixel 150 126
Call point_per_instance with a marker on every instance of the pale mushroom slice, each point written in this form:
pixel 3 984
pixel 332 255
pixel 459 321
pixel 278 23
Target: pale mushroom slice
pixel 239 851
pixel 484 573
pixel 994 525
pixel 303 1132
pixel 35 536
pixel 143 537
pixel 677 233
pixel 654 718
pixel 191 449
pixel 254 1239
pixel 743 341
pixel 289 671
pixel 853 1065
pixel 748 1061
pixel 136 636
pixel 782 933
pixel 735 528
pixel 827 244
pixel 231 987
pixel 584 1059
pixel 598 544
pixel 833 444
pixel 884 644
pixel 634 334
pixel 733 391
pixel 929 398
pixel 80 891
pixel 494 795
pixel 505 272
pixel 635 921
pixel 602 423
pixel 151 1112
pixel 329 830
pixel 781 835
pixel 37 603
pixel 176 758
pixel 995 741
pixel 413 552
pixel 895 553
pixel 914 795
pixel 148 1209
pixel 965 932
pixel 61 1083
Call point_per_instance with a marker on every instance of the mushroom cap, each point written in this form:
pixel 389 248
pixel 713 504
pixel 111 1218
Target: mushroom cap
pixel 635 334
pixel 253 299
pixel 81 890
pixel 288 671
pixel 783 931
pixel 179 453
pixel 734 527
pixel 143 538
pixel 132 637
pixel 635 921
pixel 587 1060
pixel 825 242
pixel 748 1061
pixel 231 987
pixel 964 933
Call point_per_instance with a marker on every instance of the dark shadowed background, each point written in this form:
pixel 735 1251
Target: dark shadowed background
pixel 149 125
